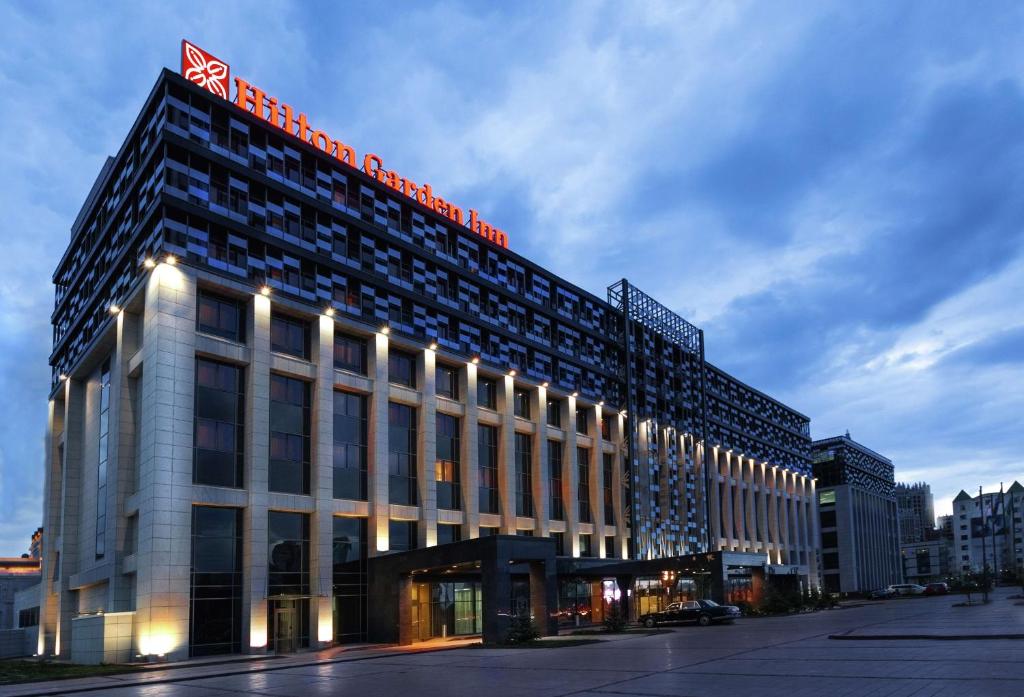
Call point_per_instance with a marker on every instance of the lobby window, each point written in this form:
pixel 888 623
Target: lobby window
pixel 220 316
pixel 524 476
pixel 581 421
pixel 288 564
pixel 350 443
pixel 486 393
pixel 447 383
pixel 401 368
pixel 101 467
pixel 583 483
pixel 289 336
pixel 609 547
pixel 487 459
pixel 349 579
pixel 447 534
pixel 402 454
pixel 219 424
pixel 521 403
pixel 350 353
pixel 447 466
pixel 586 545
pixel 402 535
pixel 608 470
pixel 554 412
pixel 289 435
pixel 555 472
pixel 487 531
pixel 215 607
pixel 559 538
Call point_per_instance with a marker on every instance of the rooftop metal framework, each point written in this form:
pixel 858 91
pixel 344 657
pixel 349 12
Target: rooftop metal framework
pixel 642 308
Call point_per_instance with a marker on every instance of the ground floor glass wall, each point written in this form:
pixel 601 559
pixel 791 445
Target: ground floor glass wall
pixel 446 609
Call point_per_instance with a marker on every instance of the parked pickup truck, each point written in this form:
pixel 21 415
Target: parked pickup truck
pixel 703 612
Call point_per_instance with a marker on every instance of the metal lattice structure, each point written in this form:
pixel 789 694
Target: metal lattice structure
pixel 643 309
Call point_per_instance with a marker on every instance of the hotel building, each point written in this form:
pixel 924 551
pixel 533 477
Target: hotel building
pixel 292 407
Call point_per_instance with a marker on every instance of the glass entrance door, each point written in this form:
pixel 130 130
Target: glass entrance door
pixel 286 630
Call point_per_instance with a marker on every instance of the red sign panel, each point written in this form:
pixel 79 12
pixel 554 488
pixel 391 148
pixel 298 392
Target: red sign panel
pixel 205 70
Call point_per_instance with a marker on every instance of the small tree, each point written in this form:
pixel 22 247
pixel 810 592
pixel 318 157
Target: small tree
pixel 522 630
pixel 614 619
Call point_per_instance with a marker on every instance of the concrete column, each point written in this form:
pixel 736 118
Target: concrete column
pixel 618 485
pixel 728 519
pixel 49 590
pixel 377 459
pixel 570 477
pixel 121 459
pixel 739 533
pixel 469 465
pixel 405 635
pixel 784 523
pixel 165 466
pixel 496 588
pixel 257 477
pixel 716 500
pixel 426 448
pixel 762 508
pixel 323 484
pixel 71 492
pixel 540 473
pixel 597 479
pixel 544 597
pixel 506 455
pixel 773 514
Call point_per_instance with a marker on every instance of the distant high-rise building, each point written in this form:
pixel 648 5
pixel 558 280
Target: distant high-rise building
pixel 857 507
pixel 35 547
pixel 989 531
pixel 916 512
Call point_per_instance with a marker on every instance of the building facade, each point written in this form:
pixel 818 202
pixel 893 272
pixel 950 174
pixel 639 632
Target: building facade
pixel 927 561
pixel 988 532
pixel 916 509
pixel 858 518
pixel 271 367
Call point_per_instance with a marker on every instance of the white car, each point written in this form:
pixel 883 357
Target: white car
pixel 906 589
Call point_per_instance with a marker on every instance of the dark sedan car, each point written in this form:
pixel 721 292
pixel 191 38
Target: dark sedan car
pixel 703 612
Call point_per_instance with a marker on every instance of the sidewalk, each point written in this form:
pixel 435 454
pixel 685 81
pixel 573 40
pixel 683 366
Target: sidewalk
pixel 234 665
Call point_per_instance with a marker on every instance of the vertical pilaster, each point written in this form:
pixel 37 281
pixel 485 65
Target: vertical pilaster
pixel 618 487
pixel 506 455
pixel 715 508
pixel 323 482
pixel 541 476
pixel 570 478
pixel 121 458
pixel 596 479
pixel 377 467
pixel 49 590
pixel 71 492
pixel 426 448
pixel 469 454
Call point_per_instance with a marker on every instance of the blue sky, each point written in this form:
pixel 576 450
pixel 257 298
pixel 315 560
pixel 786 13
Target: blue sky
pixel 834 192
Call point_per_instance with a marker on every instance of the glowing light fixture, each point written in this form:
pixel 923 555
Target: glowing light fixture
pixel 62 377
pixel 575 394
pixel 329 312
pixel 149 263
pixel 114 309
pixel 512 373
pixel 385 330
pixel 265 291
pixel 544 384
pixel 171 259
pixel 433 346
pixel 601 403
pixel 475 360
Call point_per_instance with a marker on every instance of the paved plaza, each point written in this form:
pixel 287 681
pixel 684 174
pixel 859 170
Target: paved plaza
pixel 763 657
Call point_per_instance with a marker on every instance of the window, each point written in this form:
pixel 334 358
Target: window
pixel 487 458
pixel 288 572
pixel 402 535
pixel 486 531
pixel 350 441
pixel 289 435
pixel 828 519
pixel 486 393
pixel 609 547
pixel 219 424
pixel 608 472
pixel 289 336
pixel 830 560
pixel 554 412
pixel 606 428
pixel 524 477
pixel 521 403
pixel 581 421
pixel 28 617
pixel 220 316
pixel 448 533
pixel 555 472
pixel 402 454
pixel 829 540
pixel 215 608
pixel 447 384
pixel 350 353
pixel 446 468
pixel 586 545
pixel 401 368
pixel 101 467
pixel 349 558
pixel 559 538
pixel 583 483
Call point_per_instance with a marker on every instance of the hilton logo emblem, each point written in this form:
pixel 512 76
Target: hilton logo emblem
pixel 203 69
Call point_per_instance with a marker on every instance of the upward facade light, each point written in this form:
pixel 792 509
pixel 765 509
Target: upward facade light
pixel 265 291
pixel 171 260
pixel 149 263
pixel 114 309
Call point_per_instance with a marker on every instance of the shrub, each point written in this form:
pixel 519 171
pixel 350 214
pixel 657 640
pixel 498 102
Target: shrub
pixel 521 630
pixel 614 619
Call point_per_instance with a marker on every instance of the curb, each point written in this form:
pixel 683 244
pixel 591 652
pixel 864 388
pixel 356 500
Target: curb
pixel 924 637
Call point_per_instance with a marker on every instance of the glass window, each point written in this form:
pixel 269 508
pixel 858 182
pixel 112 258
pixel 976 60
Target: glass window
pixel 220 316
pixel 828 519
pixel 583 483
pixel 555 471
pixel 581 421
pixel 554 412
pixel 608 472
pixel 350 353
pixel 448 533
pixel 447 384
pixel 606 428
pixel 524 475
pixel 447 466
pixel 350 442
pixel 101 467
pixel 401 368
pixel 289 435
pixel 215 607
pixel 586 546
pixel 487 460
pixel 486 393
pixel 829 539
pixel 609 547
pixel 402 454
pixel 559 538
pixel 402 535
pixel 349 552
pixel 289 336
pixel 486 531
pixel 288 567
pixel 219 424
pixel 521 403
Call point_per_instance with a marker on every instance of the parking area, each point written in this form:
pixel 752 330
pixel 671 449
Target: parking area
pixel 777 656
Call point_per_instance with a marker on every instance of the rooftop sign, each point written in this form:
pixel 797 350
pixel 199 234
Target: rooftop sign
pixel 214 75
